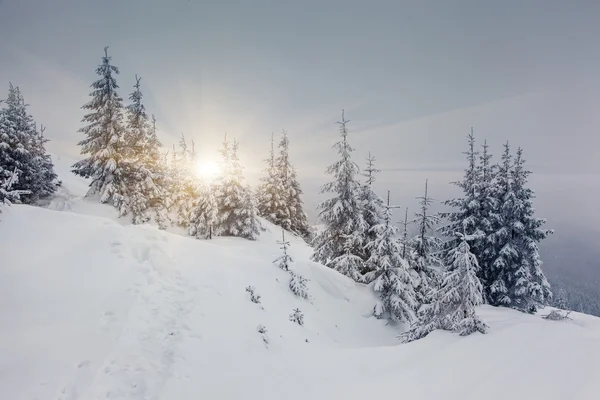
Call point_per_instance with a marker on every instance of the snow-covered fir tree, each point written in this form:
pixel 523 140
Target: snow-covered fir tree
pixel 104 135
pixel 141 190
pixel 391 277
pixel 517 278
pixel 464 217
pixel 453 304
pixel 238 214
pixel 487 217
pixel 271 194
pixel 204 214
pixel 340 245
pixel 45 177
pixel 297 220
pixel 372 207
pixel 426 247
pixel 184 183
pixel 22 150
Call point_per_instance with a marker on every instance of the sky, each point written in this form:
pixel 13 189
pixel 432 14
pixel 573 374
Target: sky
pixel 412 76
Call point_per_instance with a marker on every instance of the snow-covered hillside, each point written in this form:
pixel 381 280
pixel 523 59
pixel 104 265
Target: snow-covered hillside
pixel 94 308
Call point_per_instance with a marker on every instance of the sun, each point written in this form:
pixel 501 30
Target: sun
pixel 207 170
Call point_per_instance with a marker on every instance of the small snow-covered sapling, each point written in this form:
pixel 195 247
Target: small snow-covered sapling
pixel 297 317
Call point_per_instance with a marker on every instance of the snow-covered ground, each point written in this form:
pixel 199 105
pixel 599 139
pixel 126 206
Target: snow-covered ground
pixel 94 308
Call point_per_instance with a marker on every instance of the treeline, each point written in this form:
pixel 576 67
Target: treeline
pixel 26 170
pixel 129 168
pixel 484 250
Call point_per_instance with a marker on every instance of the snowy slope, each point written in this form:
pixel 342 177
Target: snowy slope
pixel 94 308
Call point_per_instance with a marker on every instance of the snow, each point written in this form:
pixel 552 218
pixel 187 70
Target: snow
pixel 94 308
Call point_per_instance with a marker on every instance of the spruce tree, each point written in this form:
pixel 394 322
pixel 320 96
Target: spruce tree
pixel 236 205
pixel 391 276
pixel 426 247
pixel 271 197
pixel 453 304
pixel 340 244
pixel 22 150
pixel 518 278
pixel 372 206
pixel 487 216
pixel 140 189
pixel 104 136
pixel 464 216
pixel 204 214
pixel 293 216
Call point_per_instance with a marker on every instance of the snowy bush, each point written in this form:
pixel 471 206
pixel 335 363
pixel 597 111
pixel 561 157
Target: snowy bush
pixel 297 317
pixel 254 297
pixel 557 315
pixel 298 285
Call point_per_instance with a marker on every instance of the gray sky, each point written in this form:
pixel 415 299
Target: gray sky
pixel 412 76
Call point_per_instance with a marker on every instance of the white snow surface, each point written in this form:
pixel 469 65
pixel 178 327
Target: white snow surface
pixel 92 307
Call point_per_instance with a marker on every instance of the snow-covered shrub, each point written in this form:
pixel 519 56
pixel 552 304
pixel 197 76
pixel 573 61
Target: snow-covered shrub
pixel 557 315
pixel 297 317
pixel 298 285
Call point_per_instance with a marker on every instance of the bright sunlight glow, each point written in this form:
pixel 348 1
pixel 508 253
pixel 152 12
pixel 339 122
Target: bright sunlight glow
pixel 207 170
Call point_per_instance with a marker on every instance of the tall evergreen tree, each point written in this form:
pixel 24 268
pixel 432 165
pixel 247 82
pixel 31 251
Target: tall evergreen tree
pixel 464 216
pixel 236 205
pixel 340 244
pixel 372 206
pixel 104 135
pixel 204 214
pixel 426 247
pixel 453 304
pixel 391 277
pixel 297 220
pixel 487 216
pixel 517 278
pixel 22 150
pixel 140 189
pixel 271 197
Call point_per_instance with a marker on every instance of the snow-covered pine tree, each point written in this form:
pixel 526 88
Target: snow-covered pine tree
pixel 505 253
pixel 464 216
pixel 155 161
pixel 426 248
pixel 340 244
pixel 45 178
pixel 391 277
pixel 235 202
pixel 297 220
pixel 104 135
pixel 204 214
pixel 271 193
pixel 22 150
pixel 140 189
pixel 184 183
pixel 453 304
pixel 487 217
pixel 372 207
pixel 518 278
